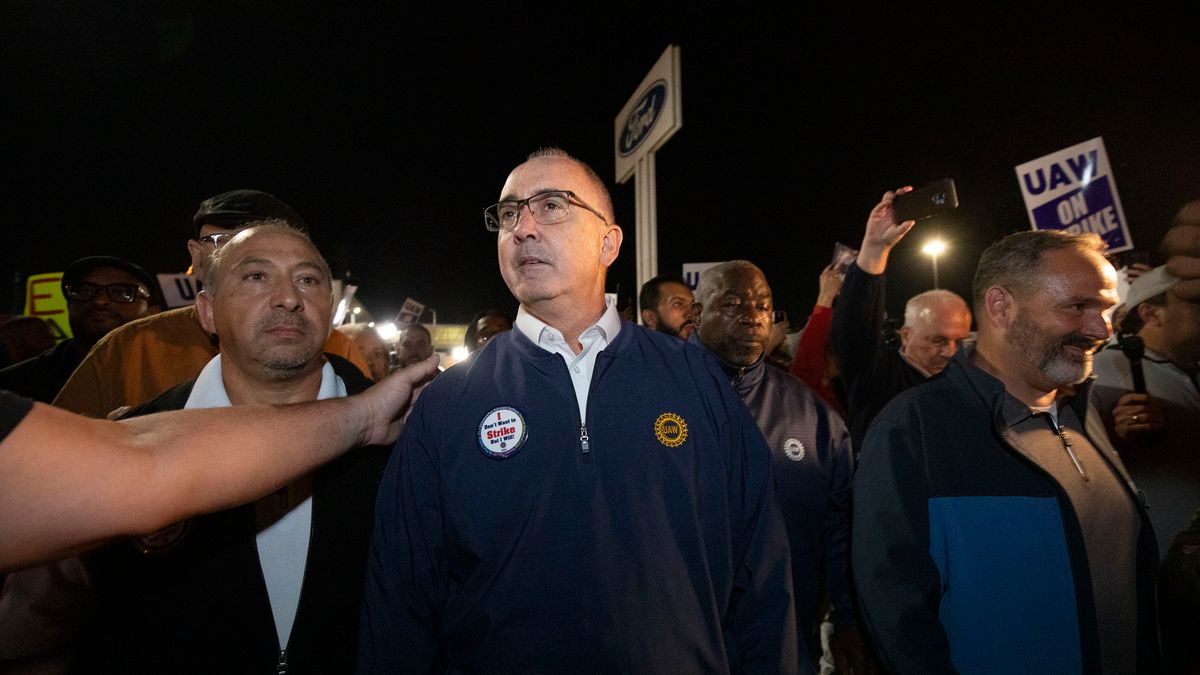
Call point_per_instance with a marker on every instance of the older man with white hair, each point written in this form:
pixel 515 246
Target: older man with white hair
pixel 935 322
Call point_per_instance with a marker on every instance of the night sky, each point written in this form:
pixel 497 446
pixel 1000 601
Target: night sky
pixel 389 129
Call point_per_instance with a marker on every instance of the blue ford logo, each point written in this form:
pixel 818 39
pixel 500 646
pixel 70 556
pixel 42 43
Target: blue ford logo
pixel 642 118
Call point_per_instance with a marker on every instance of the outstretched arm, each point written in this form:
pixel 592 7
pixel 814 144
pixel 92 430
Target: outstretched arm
pixel 68 482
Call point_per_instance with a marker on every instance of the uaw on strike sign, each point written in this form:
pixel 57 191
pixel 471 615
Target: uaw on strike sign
pixel 1073 190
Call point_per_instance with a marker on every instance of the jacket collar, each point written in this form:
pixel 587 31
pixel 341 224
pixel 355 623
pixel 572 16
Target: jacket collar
pixel 743 378
pixel 991 391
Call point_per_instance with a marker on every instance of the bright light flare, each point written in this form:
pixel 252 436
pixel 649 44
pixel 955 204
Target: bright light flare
pixel 387 331
pixel 934 247
pixel 459 353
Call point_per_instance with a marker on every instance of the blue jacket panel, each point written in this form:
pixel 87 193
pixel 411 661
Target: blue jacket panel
pixel 967 556
pixel 657 546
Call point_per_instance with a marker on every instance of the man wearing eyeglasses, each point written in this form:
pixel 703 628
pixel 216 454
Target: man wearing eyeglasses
pixel 146 357
pixel 102 294
pixel 583 495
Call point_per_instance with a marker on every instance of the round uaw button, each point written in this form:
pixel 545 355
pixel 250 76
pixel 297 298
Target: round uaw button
pixel 502 432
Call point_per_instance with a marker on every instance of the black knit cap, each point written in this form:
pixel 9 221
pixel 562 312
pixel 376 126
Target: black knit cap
pixel 237 207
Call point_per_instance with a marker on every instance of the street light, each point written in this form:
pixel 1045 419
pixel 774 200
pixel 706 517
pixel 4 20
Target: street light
pixel 933 249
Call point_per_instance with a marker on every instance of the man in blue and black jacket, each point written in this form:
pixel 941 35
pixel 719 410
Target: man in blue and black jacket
pixel 991 533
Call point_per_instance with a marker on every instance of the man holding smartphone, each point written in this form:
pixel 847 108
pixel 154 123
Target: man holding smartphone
pixel 934 323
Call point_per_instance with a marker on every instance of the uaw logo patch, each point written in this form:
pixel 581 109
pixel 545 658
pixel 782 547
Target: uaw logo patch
pixel 502 432
pixel 670 430
pixel 794 449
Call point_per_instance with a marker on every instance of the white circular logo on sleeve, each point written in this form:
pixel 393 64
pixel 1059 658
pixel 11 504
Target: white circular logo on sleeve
pixel 502 432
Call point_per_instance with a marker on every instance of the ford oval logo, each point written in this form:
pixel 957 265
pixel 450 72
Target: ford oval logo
pixel 642 118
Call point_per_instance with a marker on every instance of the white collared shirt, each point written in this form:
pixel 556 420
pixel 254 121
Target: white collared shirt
pixel 579 366
pixel 282 545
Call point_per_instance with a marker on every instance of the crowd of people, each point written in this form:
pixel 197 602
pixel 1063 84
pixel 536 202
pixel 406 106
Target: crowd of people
pixel 583 494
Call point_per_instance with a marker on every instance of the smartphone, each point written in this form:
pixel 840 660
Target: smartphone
pixel 931 200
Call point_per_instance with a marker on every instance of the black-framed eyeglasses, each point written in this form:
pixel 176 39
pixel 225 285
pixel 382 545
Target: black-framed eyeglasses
pixel 124 294
pixel 547 208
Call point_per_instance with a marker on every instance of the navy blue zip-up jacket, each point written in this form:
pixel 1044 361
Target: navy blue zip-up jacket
pixel 657 546
pixel 967 555
pixel 813 467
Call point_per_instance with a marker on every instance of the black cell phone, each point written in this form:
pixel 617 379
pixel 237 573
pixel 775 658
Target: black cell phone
pixel 931 200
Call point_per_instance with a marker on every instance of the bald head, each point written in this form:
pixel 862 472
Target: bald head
pixel 934 323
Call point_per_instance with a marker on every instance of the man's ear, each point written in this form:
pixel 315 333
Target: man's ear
pixel 611 245
pixel 1150 314
pixel 204 308
pixel 196 251
pixel 905 332
pixel 649 318
pixel 999 306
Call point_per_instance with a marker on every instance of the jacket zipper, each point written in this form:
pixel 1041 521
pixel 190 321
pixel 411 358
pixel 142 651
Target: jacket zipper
pixel 281 665
pixel 584 445
pixel 1062 435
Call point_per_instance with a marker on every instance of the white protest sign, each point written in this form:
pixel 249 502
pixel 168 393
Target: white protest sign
pixel 410 311
pixel 1074 190
pixel 691 272
pixel 343 305
pixel 179 290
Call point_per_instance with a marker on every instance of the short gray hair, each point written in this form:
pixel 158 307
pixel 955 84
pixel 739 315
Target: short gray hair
pixel 606 205
pixel 213 274
pixel 1015 261
pixel 712 279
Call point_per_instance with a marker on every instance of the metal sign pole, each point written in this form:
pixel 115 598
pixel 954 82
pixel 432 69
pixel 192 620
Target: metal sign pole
pixel 646 198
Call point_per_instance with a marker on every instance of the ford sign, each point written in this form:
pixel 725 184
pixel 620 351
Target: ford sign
pixel 642 118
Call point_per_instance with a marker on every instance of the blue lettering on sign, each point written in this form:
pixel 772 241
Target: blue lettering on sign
pixel 1082 167
pixel 642 118
pixel 186 291
pixel 1089 209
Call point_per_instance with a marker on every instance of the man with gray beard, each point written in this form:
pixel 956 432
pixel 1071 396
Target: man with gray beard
pixel 991 532
pixel 271 585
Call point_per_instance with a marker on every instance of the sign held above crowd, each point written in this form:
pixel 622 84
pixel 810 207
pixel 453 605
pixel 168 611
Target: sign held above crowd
pixel 1074 190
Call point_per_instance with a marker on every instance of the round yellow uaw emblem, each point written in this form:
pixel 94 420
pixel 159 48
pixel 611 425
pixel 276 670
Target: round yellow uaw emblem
pixel 670 430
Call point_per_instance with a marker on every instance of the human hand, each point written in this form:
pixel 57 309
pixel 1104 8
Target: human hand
pixel 829 286
pixel 850 653
pixel 1182 244
pixel 882 233
pixel 1137 414
pixel 383 405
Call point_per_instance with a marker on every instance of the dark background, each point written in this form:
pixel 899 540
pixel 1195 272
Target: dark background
pixel 390 129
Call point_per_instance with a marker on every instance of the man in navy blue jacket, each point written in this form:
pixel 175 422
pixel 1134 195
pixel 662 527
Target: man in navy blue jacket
pixel 809 445
pixel 992 533
pixel 582 495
